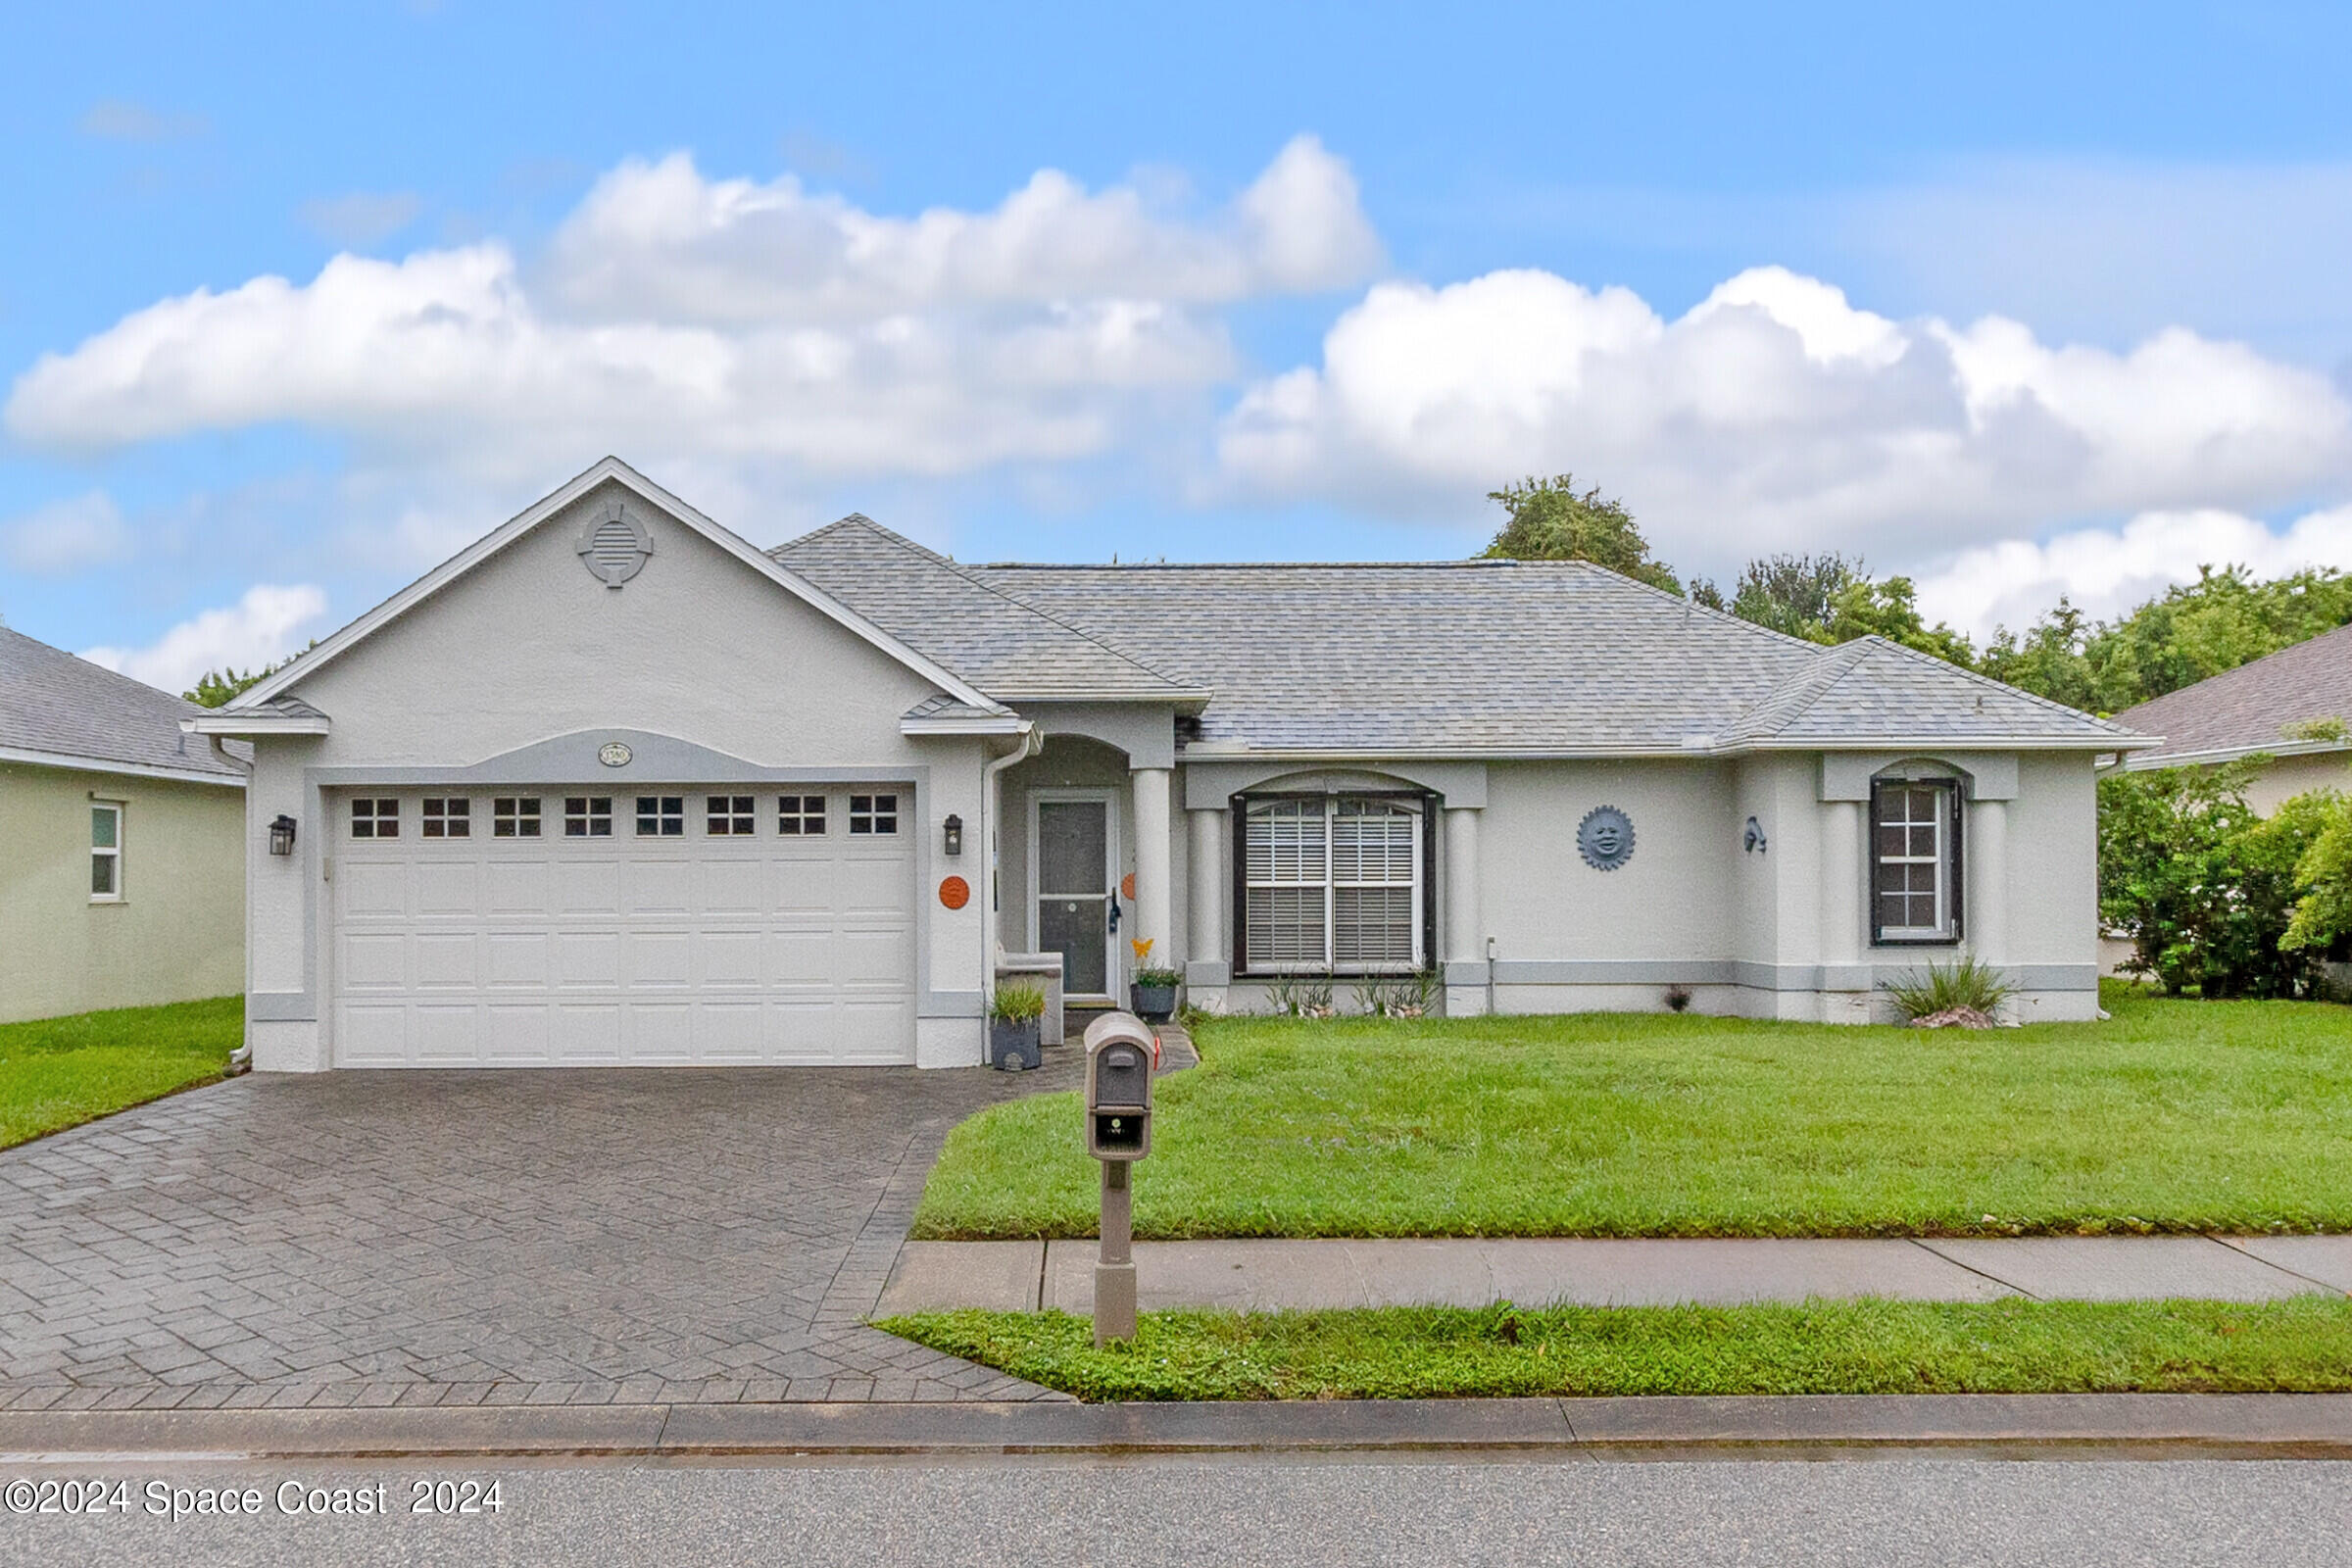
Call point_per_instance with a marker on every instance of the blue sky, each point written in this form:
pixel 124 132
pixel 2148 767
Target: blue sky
pixel 2033 299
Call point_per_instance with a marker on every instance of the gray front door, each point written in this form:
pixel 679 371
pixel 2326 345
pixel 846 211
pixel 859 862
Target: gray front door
pixel 1074 890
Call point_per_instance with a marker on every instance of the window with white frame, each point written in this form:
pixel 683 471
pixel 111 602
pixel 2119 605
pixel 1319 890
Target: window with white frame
pixel 515 816
pixel 874 813
pixel 661 816
pixel 731 815
pixel 587 816
pixel 1914 860
pixel 800 816
pixel 375 817
pixel 1332 883
pixel 446 816
pixel 105 851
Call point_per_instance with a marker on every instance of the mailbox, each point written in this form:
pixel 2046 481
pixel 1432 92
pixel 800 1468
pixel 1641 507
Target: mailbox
pixel 1119 1052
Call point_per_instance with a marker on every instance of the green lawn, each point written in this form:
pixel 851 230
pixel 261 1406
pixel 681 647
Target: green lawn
pixel 2303 1344
pixel 55 1072
pixel 2173 1116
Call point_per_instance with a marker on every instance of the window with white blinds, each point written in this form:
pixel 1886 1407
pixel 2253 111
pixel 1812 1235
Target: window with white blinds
pixel 1332 883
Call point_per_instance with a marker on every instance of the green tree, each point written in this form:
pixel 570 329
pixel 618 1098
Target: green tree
pixel 2323 922
pixel 2049 660
pixel 214 688
pixel 1888 608
pixel 1795 594
pixel 2205 889
pixel 2222 621
pixel 1551 519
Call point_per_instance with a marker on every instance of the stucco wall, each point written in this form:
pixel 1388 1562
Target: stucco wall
pixel 2289 776
pixel 176 935
pixel 530 647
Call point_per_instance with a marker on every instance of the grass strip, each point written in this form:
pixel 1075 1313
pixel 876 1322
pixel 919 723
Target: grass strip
pixel 58 1072
pixel 2301 1344
pixel 2175 1116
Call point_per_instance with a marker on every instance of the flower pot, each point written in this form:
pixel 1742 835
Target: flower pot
pixel 1012 1047
pixel 1153 1002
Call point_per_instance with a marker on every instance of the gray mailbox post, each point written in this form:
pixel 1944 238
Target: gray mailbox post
pixel 1119 1054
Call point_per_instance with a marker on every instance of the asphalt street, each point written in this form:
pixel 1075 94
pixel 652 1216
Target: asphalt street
pixel 1876 1513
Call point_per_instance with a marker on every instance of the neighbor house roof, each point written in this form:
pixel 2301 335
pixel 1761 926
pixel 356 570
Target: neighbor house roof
pixel 2251 709
pixel 1448 658
pixel 64 712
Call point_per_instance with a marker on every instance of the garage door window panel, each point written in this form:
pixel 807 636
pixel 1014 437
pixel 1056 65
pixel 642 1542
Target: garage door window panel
pixel 375 817
pixel 515 816
pixel 731 815
pixel 588 817
pixel 875 816
pixel 446 817
pixel 661 816
pixel 800 816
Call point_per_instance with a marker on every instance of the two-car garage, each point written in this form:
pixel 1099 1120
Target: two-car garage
pixel 557 925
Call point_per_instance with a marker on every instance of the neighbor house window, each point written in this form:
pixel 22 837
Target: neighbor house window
pixel 801 815
pixel 731 815
pixel 587 816
pixel 1914 860
pixel 661 816
pixel 515 816
pixel 372 818
pixel 446 817
pixel 106 854
pixel 1332 883
pixel 874 813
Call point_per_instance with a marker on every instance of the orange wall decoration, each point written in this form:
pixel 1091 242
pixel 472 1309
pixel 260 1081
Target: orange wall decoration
pixel 954 893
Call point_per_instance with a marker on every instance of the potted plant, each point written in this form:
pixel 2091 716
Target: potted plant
pixel 1153 993
pixel 1012 1025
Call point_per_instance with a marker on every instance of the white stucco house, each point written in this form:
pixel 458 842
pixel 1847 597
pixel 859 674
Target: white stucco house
pixel 613 785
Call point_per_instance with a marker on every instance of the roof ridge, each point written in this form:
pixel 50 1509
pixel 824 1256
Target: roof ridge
pixel 971 576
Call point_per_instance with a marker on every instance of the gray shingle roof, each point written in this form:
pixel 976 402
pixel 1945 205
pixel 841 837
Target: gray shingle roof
pixel 1461 657
pixel 2247 709
pixel 952 615
pixel 52 702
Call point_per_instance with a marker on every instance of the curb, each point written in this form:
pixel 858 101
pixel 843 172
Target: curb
pixel 2121 1425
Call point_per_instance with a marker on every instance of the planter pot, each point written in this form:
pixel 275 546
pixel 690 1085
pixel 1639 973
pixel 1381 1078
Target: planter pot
pixel 1012 1047
pixel 1153 1002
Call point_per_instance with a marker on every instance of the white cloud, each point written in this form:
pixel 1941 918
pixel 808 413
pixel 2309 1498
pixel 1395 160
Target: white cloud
pixel 267 625
pixel 65 536
pixel 360 217
pixel 125 119
pixel 659 238
pixel 1775 416
pixel 680 319
pixel 2105 572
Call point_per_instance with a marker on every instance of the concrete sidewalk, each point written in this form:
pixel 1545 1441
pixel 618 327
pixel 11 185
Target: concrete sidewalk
pixel 1025 1275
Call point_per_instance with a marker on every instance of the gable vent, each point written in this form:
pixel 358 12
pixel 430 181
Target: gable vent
pixel 613 544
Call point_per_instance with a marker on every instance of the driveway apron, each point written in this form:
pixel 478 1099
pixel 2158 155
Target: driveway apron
pixel 467 1238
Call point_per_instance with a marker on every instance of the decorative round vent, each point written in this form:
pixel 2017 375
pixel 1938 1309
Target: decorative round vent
pixel 1605 838
pixel 613 544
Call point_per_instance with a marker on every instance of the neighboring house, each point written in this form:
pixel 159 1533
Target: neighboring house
pixel 122 860
pixel 2280 706
pixel 614 786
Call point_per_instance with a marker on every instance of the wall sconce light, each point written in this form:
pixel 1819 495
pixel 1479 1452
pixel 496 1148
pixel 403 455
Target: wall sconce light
pixel 953 833
pixel 281 835
pixel 1752 838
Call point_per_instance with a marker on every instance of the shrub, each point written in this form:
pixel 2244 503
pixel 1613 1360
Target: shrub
pixel 1018 1004
pixel 2204 888
pixel 1300 997
pixel 1159 977
pixel 2323 920
pixel 1414 996
pixel 1942 988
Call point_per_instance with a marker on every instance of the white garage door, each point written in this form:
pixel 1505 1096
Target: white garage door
pixel 550 927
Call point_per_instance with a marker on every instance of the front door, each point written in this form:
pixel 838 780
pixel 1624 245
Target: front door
pixel 1075 850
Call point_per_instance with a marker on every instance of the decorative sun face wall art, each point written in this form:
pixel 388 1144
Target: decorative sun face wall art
pixel 1605 838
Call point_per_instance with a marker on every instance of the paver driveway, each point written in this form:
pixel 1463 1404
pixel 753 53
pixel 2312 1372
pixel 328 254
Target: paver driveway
pixel 519 1237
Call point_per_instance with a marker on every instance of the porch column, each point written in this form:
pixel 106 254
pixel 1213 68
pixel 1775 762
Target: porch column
pixel 1985 854
pixel 1208 944
pixel 1151 862
pixel 1462 940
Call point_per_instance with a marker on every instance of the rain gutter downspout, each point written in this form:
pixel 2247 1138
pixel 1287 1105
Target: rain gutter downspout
pixel 1033 741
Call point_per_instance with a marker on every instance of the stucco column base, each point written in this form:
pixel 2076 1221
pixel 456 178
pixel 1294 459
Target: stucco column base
pixel 285 1045
pixel 950 1041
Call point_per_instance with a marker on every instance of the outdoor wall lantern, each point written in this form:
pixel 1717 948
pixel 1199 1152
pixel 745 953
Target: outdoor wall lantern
pixel 953 833
pixel 281 835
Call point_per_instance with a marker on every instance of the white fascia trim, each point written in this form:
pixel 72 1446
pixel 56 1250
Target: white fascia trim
pixel 987 724
pixel 102 764
pixel 2233 753
pixel 228 721
pixel 1212 753
pixel 523 523
pixel 1178 695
